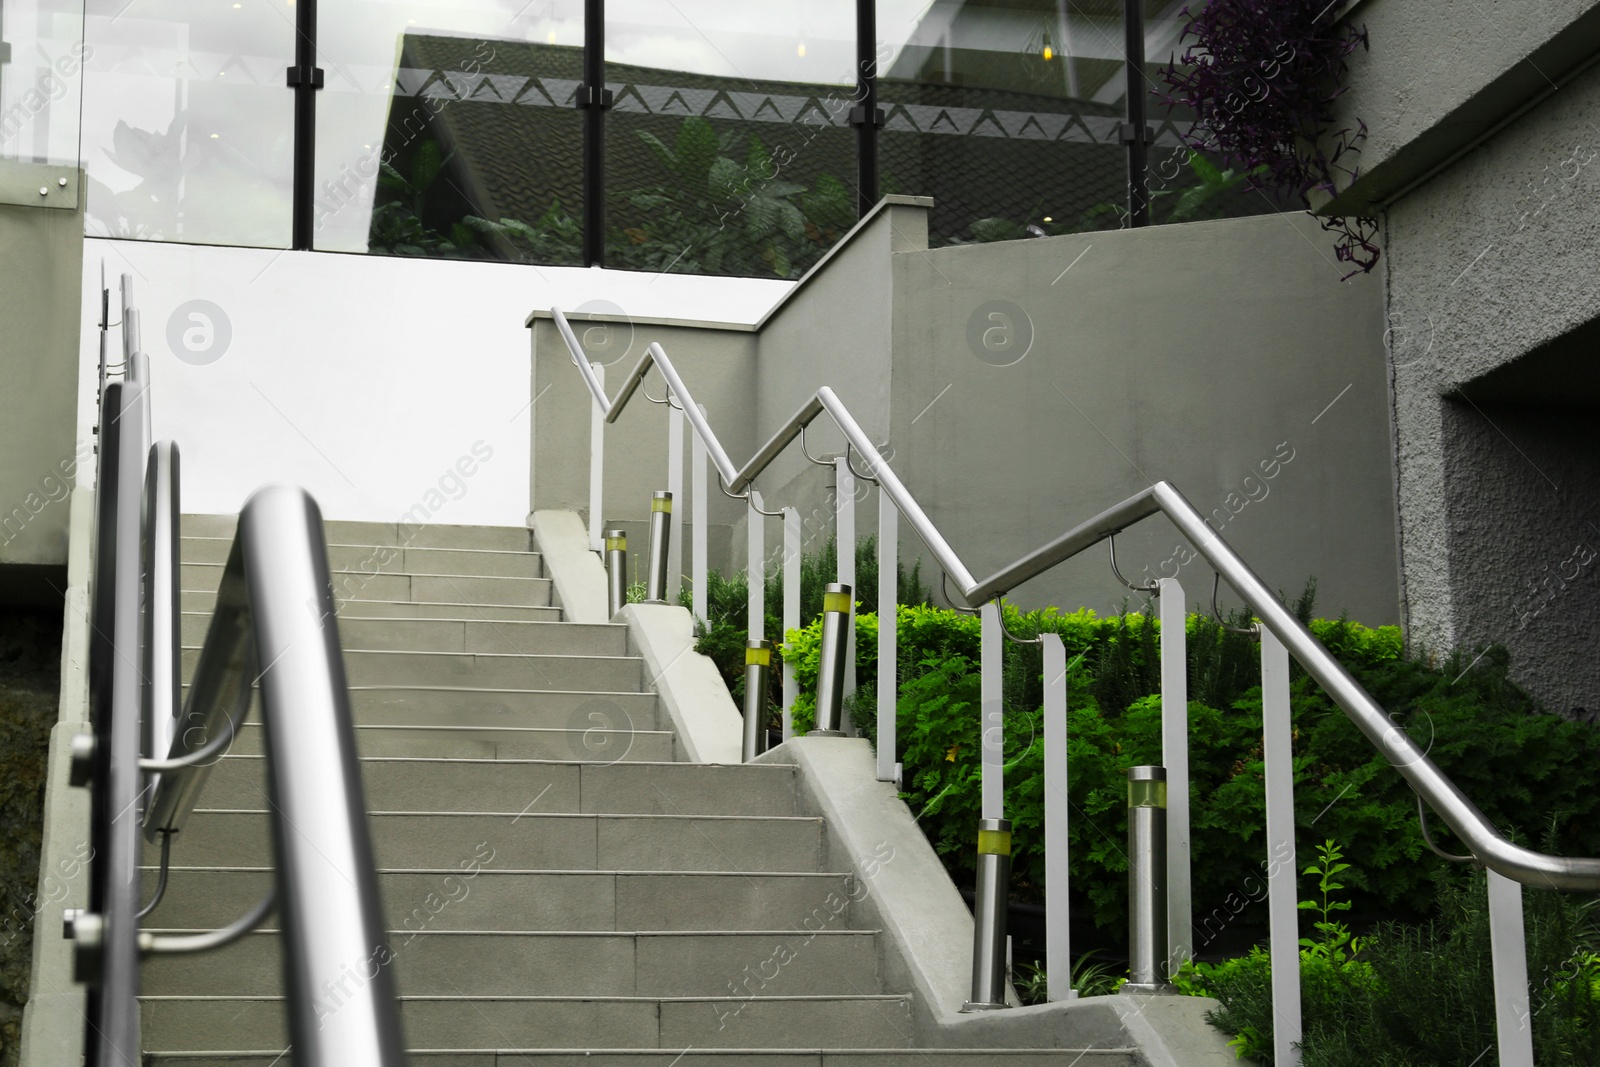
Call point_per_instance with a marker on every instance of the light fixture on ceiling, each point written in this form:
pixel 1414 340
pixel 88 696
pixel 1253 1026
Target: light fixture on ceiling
pixel 800 50
pixel 1048 51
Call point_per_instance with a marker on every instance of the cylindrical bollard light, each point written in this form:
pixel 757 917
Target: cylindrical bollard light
pixel 616 570
pixel 757 667
pixel 1147 881
pixel 989 903
pixel 655 588
pixel 838 604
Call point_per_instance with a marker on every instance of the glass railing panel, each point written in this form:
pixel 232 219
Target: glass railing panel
pixel 41 82
pixel 728 148
pixel 188 124
pixel 450 130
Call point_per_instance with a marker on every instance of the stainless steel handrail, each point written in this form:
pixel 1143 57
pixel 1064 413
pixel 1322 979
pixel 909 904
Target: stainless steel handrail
pixel 275 607
pixel 1488 846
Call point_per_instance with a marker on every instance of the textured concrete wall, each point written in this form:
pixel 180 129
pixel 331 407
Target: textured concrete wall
pixel 1039 382
pixel 1439 76
pixel 1493 313
pixel 41 256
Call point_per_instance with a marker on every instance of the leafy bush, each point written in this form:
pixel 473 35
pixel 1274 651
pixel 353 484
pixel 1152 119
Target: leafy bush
pixel 1515 762
pixel 1419 996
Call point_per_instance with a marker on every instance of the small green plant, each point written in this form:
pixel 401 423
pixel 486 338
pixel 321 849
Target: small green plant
pixel 1334 942
pixel 1090 977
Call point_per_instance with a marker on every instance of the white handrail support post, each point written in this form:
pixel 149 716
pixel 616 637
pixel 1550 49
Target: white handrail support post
pixel 1057 939
pixel 1508 951
pixel 755 571
pixel 697 473
pixel 1283 921
pixel 992 740
pixel 597 465
pixel 675 487
pixel 845 540
pixel 1175 757
pixel 888 662
pixel 791 610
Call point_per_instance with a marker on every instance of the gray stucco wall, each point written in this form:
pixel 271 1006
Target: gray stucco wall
pixel 1493 313
pixel 1206 354
pixel 41 279
pixel 1440 76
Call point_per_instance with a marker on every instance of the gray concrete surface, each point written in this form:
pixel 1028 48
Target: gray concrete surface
pixel 41 276
pixel 1439 78
pixel 578 574
pixel 1492 320
pixel 708 723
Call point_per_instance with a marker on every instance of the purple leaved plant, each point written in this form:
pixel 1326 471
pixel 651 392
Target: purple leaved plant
pixel 1261 77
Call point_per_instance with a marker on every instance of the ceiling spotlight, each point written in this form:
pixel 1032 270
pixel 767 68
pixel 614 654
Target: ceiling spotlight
pixel 1048 52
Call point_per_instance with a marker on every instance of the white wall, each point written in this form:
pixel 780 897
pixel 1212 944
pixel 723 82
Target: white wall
pixel 363 378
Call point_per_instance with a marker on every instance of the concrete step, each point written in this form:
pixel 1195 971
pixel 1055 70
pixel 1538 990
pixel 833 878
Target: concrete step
pixel 634 788
pixel 444 962
pixel 383 705
pixel 418 588
pixel 527 838
pixel 496 742
pixel 472 670
pixel 391 559
pixel 205 601
pixel 343 532
pixel 497 897
pixel 732 1057
pixel 448 1022
pixel 465 634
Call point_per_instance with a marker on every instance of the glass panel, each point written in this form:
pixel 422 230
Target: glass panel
pixel 41 84
pixel 188 122
pixel 728 149
pixel 1005 112
pixel 449 129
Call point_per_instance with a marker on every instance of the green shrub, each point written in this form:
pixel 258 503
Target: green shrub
pixel 1420 996
pixel 1516 763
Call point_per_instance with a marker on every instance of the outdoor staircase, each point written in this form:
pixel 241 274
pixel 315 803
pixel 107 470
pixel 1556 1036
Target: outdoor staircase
pixel 559 887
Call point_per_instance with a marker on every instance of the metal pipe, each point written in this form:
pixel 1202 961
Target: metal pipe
pixel 327 883
pixel 757 668
pixel 989 902
pixel 305 78
pixel 162 695
pixel 594 98
pixel 1134 132
pixel 866 117
pixel 616 571
pixel 838 604
pixel 655 587
pixel 1147 881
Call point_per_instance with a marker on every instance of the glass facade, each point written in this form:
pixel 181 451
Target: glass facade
pixel 729 140
pixel 41 81
pixel 188 128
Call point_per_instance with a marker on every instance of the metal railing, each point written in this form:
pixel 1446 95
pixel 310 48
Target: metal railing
pixel 149 754
pixel 1281 636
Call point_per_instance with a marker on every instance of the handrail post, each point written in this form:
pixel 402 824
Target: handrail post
pixel 755 568
pixel 700 502
pixel 1508 952
pixel 1175 757
pixel 616 571
pixel 844 496
pixel 888 663
pixel 655 589
pixel 838 605
pixel 1057 917
pixel 1147 876
pixel 994 831
pixel 791 610
pixel 757 665
pixel 674 559
pixel 1282 873
pixel 597 464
